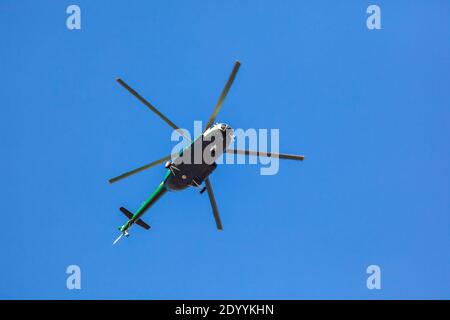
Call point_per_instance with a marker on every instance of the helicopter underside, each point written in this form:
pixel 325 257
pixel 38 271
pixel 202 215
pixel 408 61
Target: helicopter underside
pixel 188 175
pixel 191 168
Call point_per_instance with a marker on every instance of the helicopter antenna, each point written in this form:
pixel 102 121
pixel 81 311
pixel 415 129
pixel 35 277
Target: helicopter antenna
pixel 118 238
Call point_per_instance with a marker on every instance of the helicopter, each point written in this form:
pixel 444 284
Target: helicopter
pixel 185 169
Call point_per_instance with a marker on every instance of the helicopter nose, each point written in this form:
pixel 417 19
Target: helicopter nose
pixel 228 131
pixel 225 127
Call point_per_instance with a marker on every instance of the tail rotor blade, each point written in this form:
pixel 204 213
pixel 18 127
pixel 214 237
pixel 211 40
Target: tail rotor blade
pixel 118 238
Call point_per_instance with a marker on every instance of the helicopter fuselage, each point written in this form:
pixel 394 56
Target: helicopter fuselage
pixel 196 162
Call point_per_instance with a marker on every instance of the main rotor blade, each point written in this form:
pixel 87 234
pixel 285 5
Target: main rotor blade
pixel 151 107
pixel 147 166
pixel 213 204
pixel 266 154
pixel 223 95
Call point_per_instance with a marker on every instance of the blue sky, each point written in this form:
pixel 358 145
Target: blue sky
pixel 369 109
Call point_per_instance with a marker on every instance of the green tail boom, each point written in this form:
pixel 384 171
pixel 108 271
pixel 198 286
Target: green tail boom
pixel 136 218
